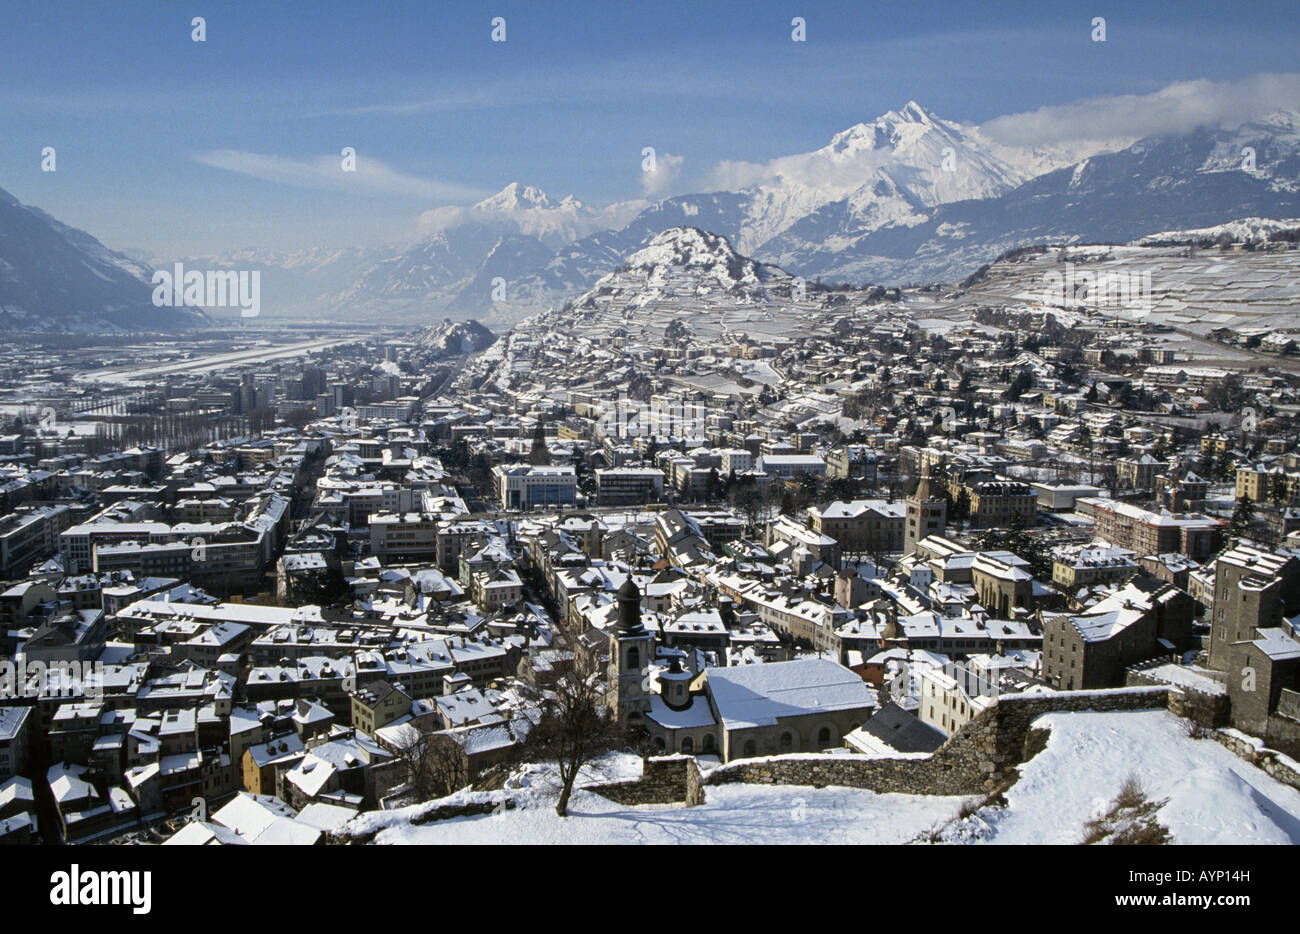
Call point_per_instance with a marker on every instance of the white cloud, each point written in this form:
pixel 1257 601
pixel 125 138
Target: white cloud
pixel 667 169
pixel 439 219
pixel 729 175
pixel 446 102
pixel 326 172
pixel 1177 108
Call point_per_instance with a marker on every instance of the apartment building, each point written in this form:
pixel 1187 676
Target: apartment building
pixel 1145 532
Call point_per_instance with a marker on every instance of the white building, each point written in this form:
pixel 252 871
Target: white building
pixel 523 486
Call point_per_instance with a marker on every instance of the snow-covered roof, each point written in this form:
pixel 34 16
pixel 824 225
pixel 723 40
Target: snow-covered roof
pixel 758 695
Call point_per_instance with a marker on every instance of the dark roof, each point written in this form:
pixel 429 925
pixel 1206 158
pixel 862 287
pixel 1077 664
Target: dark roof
pixel 901 730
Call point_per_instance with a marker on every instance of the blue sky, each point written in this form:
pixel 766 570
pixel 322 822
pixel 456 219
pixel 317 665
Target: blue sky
pixel 181 147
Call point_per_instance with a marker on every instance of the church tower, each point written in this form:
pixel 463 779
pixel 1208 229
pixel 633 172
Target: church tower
pixel 539 455
pixel 927 514
pixel 630 652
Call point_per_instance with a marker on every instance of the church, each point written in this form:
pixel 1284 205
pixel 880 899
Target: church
pixel 804 705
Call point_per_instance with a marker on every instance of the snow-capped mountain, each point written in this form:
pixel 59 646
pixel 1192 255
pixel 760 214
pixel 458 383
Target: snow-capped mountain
pixel 451 338
pixel 529 211
pixel 907 197
pixel 889 171
pixel 511 236
pixel 56 278
pixel 686 263
pixel 1160 183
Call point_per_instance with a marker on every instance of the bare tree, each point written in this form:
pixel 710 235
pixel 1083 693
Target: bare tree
pixel 435 763
pixel 574 726
pixel 412 749
pixel 446 765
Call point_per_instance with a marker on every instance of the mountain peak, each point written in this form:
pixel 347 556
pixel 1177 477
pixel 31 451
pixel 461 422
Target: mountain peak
pixel 515 197
pixel 913 112
pixel 884 132
pixel 684 246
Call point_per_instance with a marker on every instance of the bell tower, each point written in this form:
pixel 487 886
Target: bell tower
pixel 927 514
pixel 630 653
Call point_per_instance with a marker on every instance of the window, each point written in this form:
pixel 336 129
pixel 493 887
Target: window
pixel 634 657
pixel 787 741
pixel 750 748
pixel 688 746
pixel 823 737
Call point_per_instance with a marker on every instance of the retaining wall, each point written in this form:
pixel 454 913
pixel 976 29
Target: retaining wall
pixel 979 758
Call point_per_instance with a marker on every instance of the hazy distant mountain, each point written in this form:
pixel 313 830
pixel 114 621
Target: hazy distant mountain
pixel 907 197
pixel 890 172
pixel 56 278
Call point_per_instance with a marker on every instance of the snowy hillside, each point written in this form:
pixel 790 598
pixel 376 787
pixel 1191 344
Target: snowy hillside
pixel 1212 798
pixel 684 262
pixel 1247 230
pixel 452 338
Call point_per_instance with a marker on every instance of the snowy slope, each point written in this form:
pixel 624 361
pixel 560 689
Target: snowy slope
pixel 889 171
pixel 1214 797
pixel 685 263
pixel 1246 230
pixel 451 338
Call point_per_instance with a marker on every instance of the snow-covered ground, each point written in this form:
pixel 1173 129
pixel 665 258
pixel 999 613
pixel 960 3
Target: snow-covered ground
pixel 731 814
pixel 1213 797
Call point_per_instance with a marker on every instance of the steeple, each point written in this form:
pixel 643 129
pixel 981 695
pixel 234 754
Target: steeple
pixel 923 491
pixel 629 608
pixel 927 513
pixel 631 652
pixel 539 455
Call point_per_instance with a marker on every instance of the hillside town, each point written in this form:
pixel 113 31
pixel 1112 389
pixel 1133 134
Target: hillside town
pixel 256 602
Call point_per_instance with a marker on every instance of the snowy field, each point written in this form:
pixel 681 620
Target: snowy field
pixel 1213 797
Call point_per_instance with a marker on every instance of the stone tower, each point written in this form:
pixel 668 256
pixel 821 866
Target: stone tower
pixel 927 514
pixel 539 455
pixel 630 652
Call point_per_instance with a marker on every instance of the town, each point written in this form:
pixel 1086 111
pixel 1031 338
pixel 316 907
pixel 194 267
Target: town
pixel 721 526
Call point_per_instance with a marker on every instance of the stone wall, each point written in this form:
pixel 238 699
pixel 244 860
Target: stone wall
pixel 1204 709
pixel 440 812
pixel 981 757
pixel 1282 767
pixel 664 780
